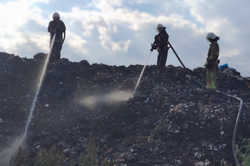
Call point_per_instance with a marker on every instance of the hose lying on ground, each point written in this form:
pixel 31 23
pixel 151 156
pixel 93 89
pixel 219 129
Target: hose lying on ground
pixel 236 122
pixel 236 125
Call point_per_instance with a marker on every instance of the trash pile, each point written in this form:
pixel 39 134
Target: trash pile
pixel 171 120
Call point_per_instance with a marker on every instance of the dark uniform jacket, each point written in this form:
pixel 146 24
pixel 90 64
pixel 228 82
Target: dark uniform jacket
pixel 56 27
pixel 161 41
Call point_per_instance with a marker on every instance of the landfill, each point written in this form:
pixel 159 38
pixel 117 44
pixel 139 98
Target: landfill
pixel 171 120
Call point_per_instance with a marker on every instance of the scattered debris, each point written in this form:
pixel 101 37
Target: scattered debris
pixel 171 120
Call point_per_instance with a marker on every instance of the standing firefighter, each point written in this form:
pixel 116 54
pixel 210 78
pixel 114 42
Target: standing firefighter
pixel 212 60
pixel 161 44
pixel 56 27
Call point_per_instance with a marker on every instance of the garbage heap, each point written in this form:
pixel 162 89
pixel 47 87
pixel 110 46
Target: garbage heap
pixel 171 119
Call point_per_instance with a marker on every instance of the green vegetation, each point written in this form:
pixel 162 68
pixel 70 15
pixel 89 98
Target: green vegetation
pixel 244 152
pixel 91 158
pixel 55 157
pixel 52 157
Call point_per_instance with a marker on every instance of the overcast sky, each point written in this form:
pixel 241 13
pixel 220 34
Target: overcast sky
pixel 119 32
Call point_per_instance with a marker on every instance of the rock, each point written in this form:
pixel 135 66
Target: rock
pixel 66 150
pixel 84 62
pixel 37 146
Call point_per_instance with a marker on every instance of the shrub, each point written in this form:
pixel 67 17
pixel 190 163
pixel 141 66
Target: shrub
pixel 244 152
pixel 52 157
pixel 91 158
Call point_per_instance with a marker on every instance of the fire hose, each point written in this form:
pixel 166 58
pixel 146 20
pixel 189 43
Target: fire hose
pixel 236 125
pixel 236 122
pixel 238 115
pixel 179 59
pixel 225 94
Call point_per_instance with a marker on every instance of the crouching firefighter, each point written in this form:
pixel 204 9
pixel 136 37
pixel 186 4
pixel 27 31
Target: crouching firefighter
pixel 161 44
pixel 212 61
pixel 56 27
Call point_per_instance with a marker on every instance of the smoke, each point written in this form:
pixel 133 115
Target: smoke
pixel 9 153
pixel 110 98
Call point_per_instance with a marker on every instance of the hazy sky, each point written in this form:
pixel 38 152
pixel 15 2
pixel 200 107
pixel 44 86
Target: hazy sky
pixel 119 32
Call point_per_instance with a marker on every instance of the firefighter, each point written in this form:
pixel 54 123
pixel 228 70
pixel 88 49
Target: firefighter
pixel 161 44
pixel 56 27
pixel 212 61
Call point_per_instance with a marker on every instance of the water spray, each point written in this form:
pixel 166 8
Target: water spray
pixel 7 155
pixel 141 74
pixel 40 82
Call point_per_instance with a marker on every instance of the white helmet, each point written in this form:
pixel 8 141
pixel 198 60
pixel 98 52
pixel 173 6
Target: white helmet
pixel 56 15
pixel 211 36
pixel 160 27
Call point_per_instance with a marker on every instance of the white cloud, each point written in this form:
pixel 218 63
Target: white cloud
pixel 77 43
pixel 14 15
pixel 111 32
pixel 105 21
pixel 107 4
pixel 108 43
pixel 231 53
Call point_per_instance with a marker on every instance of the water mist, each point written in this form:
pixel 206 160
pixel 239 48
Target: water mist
pixel 7 154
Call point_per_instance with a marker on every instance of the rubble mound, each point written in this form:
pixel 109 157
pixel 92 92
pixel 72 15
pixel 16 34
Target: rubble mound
pixel 171 119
